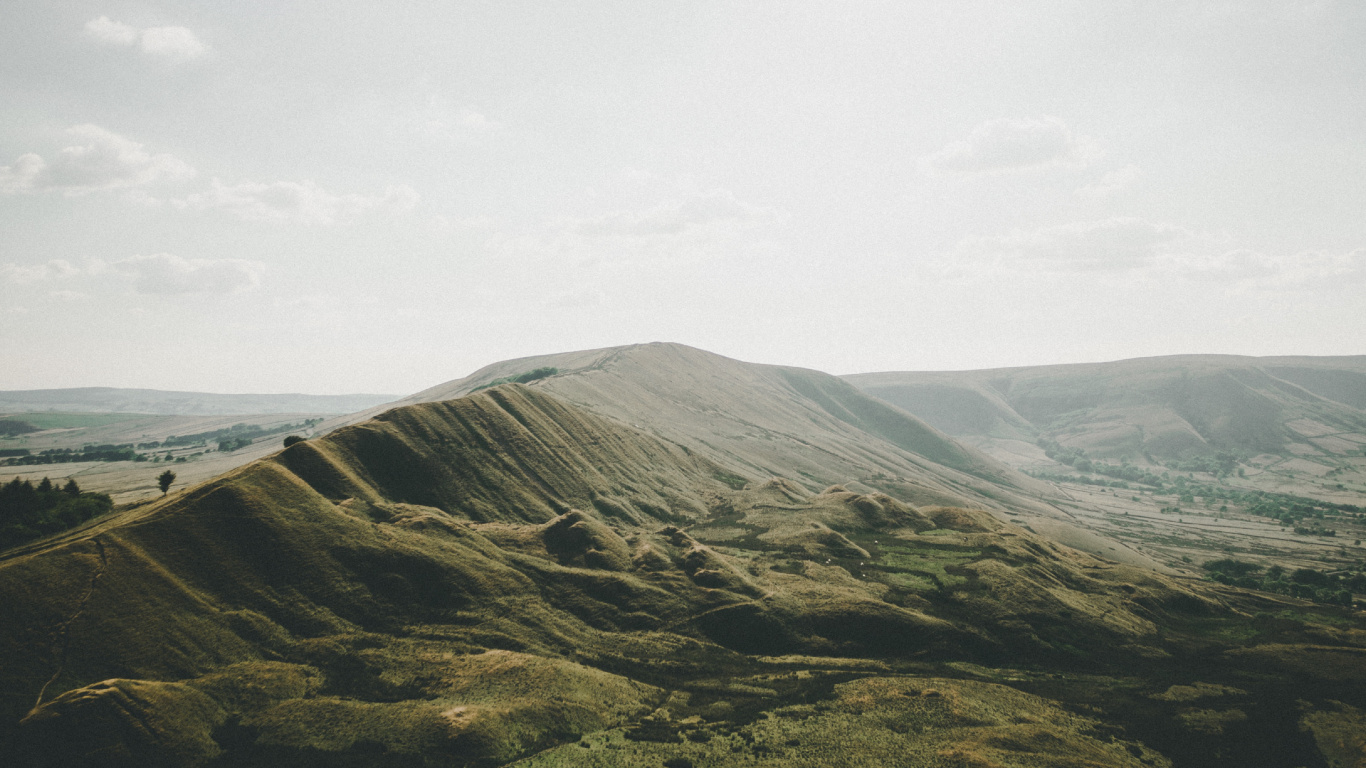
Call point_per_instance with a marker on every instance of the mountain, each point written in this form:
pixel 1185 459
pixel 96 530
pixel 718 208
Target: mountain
pixel 155 401
pixel 765 420
pixel 1165 407
pixel 630 561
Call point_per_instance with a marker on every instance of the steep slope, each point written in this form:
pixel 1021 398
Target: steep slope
pixel 475 581
pixel 1166 406
pixel 769 420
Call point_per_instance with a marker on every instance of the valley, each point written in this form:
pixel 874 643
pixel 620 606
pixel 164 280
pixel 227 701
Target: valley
pixel 1188 459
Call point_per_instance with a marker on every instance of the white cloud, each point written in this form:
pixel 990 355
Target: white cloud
pixel 172 42
pixel 304 202
pixel 100 160
pixel 1014 144
pixel 33 273
pixel 20 177
pixel 1111 182
pixel 718 209
pixel 107 30
pixel 165 273
pixel 175 43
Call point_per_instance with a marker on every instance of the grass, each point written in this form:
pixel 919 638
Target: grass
pixel 908 563
pixel 50 420
pixel 495 579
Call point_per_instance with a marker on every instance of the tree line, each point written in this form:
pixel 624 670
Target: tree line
pixel 106 452
pixel 1305 583
pixel 28 511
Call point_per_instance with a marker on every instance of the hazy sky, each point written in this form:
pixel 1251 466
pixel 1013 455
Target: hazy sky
pixel 370 197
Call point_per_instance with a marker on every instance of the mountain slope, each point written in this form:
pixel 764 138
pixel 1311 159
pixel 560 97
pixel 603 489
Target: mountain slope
pixel 768 420
pixel 1166 406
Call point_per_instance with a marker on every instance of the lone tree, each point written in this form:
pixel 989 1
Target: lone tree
pixel 292 439
pixel 164 480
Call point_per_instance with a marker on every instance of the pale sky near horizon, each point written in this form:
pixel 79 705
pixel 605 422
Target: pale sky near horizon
pixel 360 197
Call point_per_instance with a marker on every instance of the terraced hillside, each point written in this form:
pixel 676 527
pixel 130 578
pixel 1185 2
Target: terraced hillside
pixel 522 574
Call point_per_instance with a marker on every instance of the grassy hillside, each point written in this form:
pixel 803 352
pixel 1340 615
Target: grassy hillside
pixel 1164 407
pixel 768 420
pixel 512 576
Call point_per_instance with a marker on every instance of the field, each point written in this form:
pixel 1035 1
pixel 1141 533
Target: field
pixel 132 481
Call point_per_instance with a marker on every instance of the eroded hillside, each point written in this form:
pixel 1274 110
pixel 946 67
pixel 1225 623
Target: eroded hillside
pixel 512 576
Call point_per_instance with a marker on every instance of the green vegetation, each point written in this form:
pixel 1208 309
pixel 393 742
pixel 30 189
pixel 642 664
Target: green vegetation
pixel 56 420
pixel 106 452
pixel 1304 583
pixel 1288 509
pixel 732 480
pixel 164 481
pixel 13 427
pixel 521 378
pixel 239 435
pixel 28 512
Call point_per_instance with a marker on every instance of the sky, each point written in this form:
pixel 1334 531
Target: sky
pixel 335 197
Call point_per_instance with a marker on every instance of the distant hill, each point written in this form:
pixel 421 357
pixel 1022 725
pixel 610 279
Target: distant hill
pixel 155 401
pixel 1165 407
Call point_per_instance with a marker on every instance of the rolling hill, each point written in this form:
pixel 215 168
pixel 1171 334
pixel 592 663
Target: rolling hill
pixel 1162 407
pixel 651 556
pixel 168 403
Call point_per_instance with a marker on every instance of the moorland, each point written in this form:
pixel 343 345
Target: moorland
pixel 654 555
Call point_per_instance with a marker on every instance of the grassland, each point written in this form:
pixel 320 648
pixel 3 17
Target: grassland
pixel 659 558
pixel 509 578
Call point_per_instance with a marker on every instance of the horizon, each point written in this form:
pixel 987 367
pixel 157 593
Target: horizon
pixel 213 198
pixel 399 395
